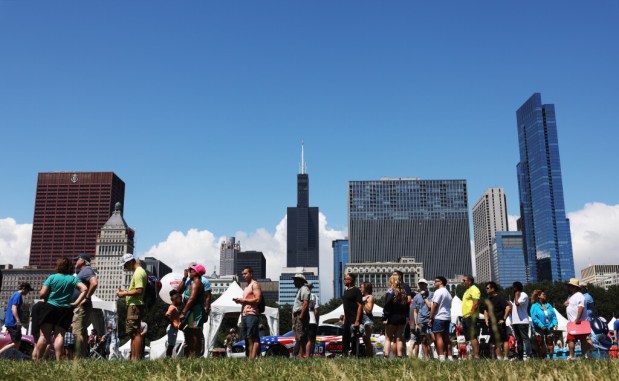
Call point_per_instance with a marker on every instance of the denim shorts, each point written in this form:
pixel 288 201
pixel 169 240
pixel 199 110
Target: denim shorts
pixel 251 327
pixel 440 326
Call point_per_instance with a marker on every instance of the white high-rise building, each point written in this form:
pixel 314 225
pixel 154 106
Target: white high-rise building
pixel 114 241
pixel 489 217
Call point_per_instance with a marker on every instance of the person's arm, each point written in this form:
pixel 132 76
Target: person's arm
pixel 43 292
pixel 415 317
pixel 369 304
pixel 208 296
pixel 304 309
pixel 433 311
pixel 83 289
pixel 579 315
pixel 15 312
pixel 487 317
pixel 359 313
pixel 93 284
pixel 181 286
pixel 537 323
pixel 517 298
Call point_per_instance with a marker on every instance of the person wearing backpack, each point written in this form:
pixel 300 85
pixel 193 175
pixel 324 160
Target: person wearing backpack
pixel 135 303
pixel 251 306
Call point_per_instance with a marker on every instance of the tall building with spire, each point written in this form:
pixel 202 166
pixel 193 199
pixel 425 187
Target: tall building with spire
pixel 115 240
pixel 545 228
pixel 302 240
pixel 228 252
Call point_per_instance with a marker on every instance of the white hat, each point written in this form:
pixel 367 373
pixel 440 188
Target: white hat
pixel 126 258
pixel 300 276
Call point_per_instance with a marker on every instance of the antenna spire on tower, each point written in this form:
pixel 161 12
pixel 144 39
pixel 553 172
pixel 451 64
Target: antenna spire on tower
pixel 303 165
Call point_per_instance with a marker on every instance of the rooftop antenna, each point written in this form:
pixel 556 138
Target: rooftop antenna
pixel 303 166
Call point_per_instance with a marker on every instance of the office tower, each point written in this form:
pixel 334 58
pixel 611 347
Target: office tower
pixel 253 259
pixel 600 275
pixel 302 237
pixel 287 290
pixel 489 217
pixel 424 219
pixel 154 266
pixel 508 259
pixel 115 239
pixel 227 255
pixel 340 259
pixel 546 230
pixel 69 211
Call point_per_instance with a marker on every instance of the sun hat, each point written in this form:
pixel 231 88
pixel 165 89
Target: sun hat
pixel 300 276
pixel 574 282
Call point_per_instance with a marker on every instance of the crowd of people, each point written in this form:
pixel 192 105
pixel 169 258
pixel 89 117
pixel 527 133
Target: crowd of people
pixel 422 317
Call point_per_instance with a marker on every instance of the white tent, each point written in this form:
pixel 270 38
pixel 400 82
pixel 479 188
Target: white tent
pixel 456 309
pixel 561 321
pixel 377 311
pixel 225 304
pixel 158 347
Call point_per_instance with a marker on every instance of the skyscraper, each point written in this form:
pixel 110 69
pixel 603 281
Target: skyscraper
pixel 425 219
pixel 227 256
pixel 302 239
pixel 69 211
pixel 116 239
pixel 546 230
pixel 340 259
pixel 508 258
pixel 253 259
pixel 489 217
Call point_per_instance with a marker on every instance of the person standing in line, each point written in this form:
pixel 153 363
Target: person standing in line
pixel 576 312
pixel 172 316
pixel 422 303
pixel 82 314
pixel 395 311
pixel 57 312
pixel 544 323
pixel 250 314
pixel 14 316
pixel 470 313
pixel 367 320
pixel 192 314
pixel 183 288
pixel 313 321
pixel 440 316
pixel 409 298
pixel 353 310
pixel 496 315
pixel 520 321
pixel 134 297
pixel 300 315
pixel 69 344
pixel 589 302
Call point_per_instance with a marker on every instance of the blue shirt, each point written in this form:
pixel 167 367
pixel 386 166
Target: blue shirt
pixel 589 303
pixel 423 311
pixel 15 300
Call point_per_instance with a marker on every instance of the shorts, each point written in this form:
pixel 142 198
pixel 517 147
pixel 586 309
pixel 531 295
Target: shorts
pixel 300 327
pixel 367 320
pixel 56 316
pixel 172 334
pixel 15 333
pixel 81 319
pixel 395 331
pixel 135 314
pixel 311 332
pixel 469 328
pixel 548 333
pixel 581 338
pixel 502 331
pixel 251 327
pixel 424 330
pixel 440 326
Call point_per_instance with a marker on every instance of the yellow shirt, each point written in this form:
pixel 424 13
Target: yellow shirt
pixel 470 295
pixel 138 280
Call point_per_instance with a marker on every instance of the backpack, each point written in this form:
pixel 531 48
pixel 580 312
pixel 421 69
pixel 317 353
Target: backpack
pixel 599 325
pixel 150 293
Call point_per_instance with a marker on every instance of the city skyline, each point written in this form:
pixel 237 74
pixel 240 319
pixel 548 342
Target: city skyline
pixel 200 108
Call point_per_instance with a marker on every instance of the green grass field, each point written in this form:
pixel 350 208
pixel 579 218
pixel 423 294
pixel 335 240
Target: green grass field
pixel 315 369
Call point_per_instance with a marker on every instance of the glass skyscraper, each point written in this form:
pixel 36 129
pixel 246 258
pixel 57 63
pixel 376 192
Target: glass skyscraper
pixel 340 259
pixel 424 219
pixel 546 230
pixel 508 259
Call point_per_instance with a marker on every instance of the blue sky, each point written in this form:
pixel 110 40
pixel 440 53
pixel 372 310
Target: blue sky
pixel 200 106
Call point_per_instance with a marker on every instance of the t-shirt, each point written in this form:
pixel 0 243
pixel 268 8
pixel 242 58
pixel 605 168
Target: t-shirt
pixel 313 307
pixel 350 298
pixel 498 305
pixel 138 280
pixel 576 300
pixel 470 296
pixel 442 297
pixel 84 276
pixel 303 294
pixel 520 313
pixel 589 303
pixel 15 300
pixel 423 311
pixel 61 288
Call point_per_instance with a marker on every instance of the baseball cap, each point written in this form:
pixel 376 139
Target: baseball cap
pixel 199 269
pixel 422 280
pixel 126 258
pixel 85 257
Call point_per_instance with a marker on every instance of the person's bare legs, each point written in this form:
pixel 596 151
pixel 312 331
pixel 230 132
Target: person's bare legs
pixel 59 342
pixel 389 330
pixel 44 338
pixel 136 346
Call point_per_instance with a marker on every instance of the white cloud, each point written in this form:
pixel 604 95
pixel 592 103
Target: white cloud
pixel 595 235
pixel 14 242
pixel 203 246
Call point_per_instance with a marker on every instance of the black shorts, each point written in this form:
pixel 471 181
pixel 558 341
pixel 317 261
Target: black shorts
pixel 502 331
pixel 311 332
pixel 57 316
pixel 469 328
pixel 15 333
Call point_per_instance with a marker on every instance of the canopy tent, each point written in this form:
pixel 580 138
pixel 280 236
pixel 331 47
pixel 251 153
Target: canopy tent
pixel 456 309
pixel 158 347
pixel 104 314
pixel 377 311
pixel 561 321
pixel 611 324
pixel 225 304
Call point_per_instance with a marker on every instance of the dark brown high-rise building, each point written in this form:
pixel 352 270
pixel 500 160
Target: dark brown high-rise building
pixel 69 211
